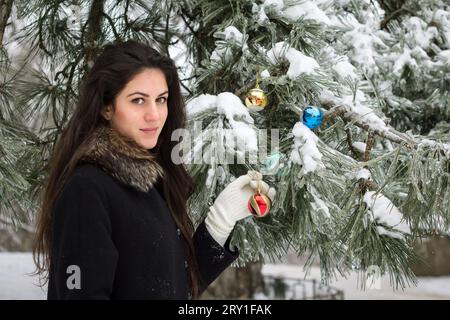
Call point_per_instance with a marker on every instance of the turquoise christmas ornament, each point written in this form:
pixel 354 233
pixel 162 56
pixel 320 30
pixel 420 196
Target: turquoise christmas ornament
pixel 312 117
pixel 271 164
pixel 274 164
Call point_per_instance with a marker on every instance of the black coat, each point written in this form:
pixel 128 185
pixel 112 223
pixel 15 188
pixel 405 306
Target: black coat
pixel 120 233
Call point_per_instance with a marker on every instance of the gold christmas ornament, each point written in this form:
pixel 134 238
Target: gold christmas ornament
pixel 256 99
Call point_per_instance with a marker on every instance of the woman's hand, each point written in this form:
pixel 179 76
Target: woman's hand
pixel 232 204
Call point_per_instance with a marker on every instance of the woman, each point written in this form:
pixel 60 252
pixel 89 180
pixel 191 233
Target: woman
pixel 114 222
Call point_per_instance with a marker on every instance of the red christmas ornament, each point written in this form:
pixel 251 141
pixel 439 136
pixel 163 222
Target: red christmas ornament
pixel 259 205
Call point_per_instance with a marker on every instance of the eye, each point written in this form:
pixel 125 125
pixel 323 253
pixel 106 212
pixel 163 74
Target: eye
pixel 137 99
pixel 161 100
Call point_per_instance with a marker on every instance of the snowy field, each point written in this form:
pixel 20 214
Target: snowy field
pixel 16 284
pixel 435 288
pixel 14 281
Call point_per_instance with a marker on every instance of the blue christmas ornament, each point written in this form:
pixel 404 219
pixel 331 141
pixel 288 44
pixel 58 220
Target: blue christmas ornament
pixel 312 117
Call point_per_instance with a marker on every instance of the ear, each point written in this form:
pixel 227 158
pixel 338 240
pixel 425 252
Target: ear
pixel 106 113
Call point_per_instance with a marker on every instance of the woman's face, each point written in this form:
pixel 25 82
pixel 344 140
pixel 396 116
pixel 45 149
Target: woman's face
pixel 140 106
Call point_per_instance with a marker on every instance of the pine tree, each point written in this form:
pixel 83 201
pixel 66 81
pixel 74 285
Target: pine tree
pixel 352 193
pixel 355 192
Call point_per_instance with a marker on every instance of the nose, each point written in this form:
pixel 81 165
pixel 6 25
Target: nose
pixel 152 112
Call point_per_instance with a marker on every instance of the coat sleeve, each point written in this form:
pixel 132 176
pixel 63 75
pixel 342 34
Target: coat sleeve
pixel 84 257
pixel 212 258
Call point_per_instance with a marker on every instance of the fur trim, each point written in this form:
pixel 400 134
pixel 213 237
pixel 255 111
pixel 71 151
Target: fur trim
pixel 122 158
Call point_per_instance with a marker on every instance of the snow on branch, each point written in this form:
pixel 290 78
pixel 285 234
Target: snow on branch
pixel 389 219
pixel 305 151
pixel 365 118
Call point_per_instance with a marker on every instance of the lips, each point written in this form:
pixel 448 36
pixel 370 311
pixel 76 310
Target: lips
pixel 150 129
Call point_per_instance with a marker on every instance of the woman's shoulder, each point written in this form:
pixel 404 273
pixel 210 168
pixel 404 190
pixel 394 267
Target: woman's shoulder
pixel 90 178
pixel 87 171
pixel 90 174
pixel 87 178
pixel 84 194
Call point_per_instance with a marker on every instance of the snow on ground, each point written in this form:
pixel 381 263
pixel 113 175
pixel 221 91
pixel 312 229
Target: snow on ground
pixel 16 284
pixel 435 288
pixel 14 281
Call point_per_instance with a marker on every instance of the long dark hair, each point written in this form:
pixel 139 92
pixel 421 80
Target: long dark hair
pixel 117 64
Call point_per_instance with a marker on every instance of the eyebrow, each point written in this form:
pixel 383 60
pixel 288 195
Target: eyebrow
pixel 146 95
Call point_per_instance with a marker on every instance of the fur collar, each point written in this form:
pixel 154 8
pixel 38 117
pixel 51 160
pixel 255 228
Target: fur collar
pixel 122 158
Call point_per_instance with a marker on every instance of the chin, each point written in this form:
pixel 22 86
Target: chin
pixel 147 144
pixel 150 146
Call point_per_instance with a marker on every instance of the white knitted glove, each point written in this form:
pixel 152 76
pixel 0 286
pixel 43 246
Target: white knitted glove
pixel 232 205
